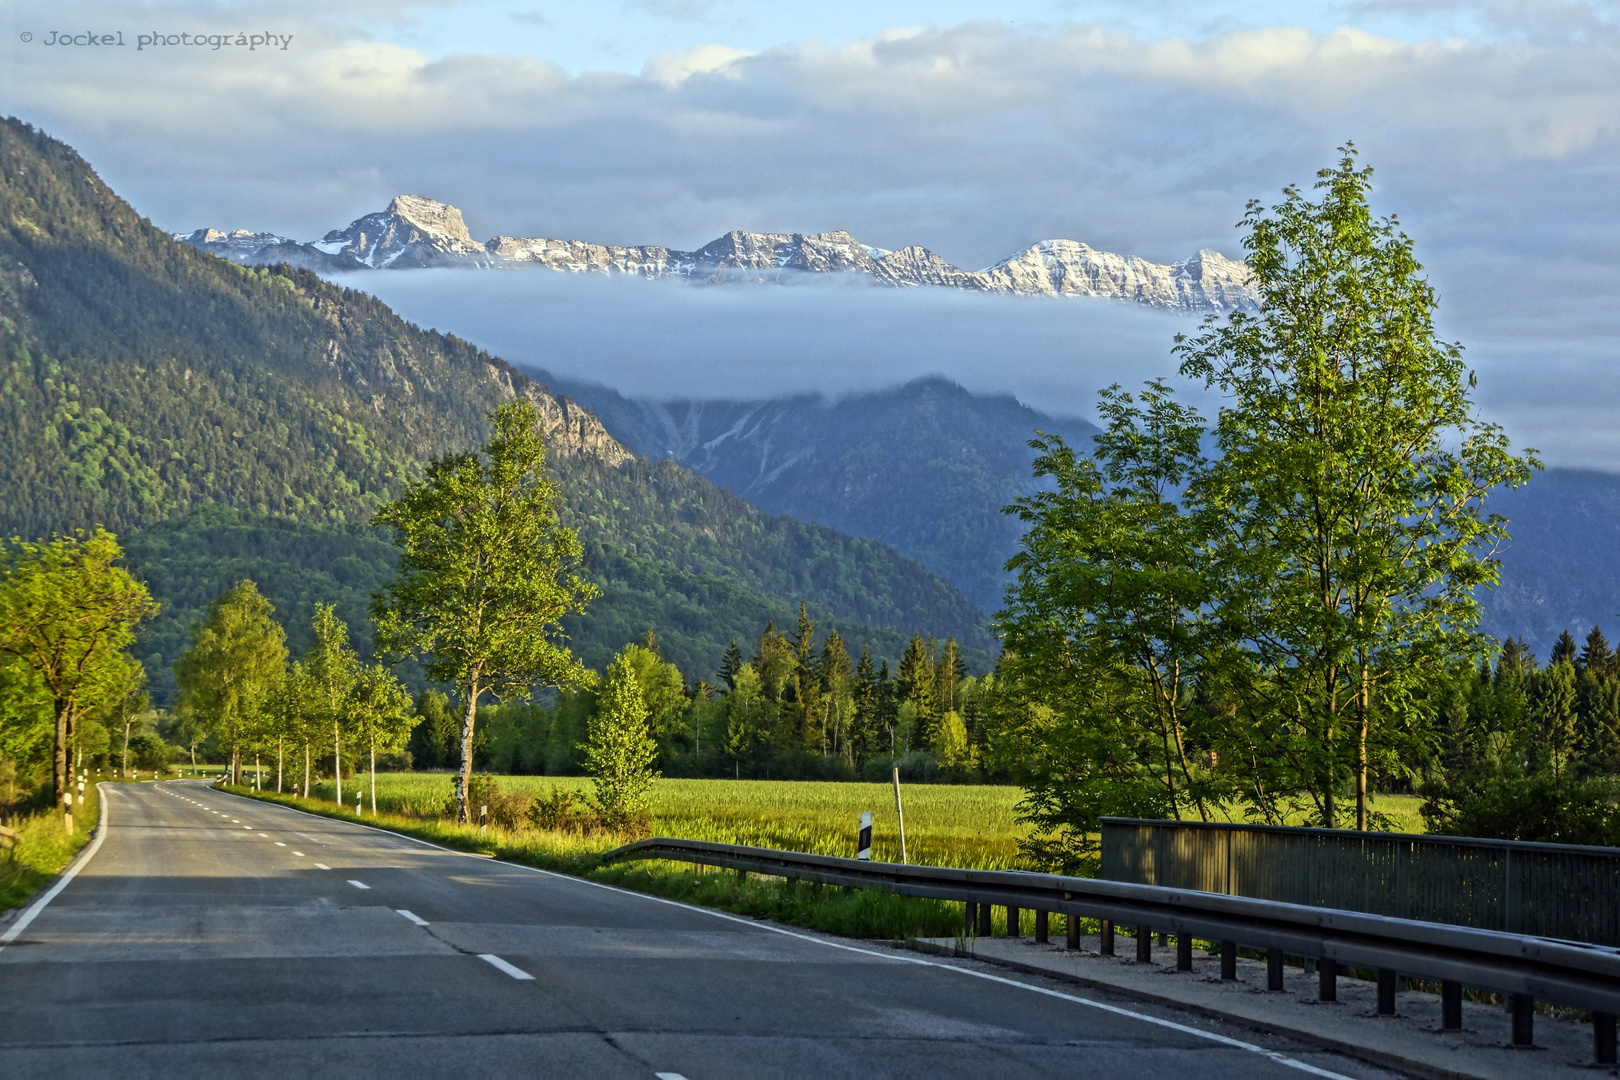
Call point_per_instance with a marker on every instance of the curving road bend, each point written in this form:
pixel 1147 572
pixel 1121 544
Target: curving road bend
pixel 212 933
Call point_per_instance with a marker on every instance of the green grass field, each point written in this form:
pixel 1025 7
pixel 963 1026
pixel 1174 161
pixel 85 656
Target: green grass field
pixel 946 825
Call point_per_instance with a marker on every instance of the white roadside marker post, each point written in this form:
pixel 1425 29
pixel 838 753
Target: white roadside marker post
pixel 863 846
pixel 900 813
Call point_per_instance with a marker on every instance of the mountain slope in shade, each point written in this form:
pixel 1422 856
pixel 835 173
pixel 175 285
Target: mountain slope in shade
pixel 926 467
pixel 415 232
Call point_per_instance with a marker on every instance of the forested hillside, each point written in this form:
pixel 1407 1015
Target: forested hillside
pixel 143 382
pixel 925 467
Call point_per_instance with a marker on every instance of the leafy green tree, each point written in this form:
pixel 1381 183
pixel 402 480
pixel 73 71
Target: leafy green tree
pixel 1349 487
pixel 486 574
pixel 1104 628
pixel 237 656
pixel 293 715
pixel 380 715
pixel 747 723
pixel 25 723
pixel 619 747
pixel 332 666
pixel 68 613
pixel 663 689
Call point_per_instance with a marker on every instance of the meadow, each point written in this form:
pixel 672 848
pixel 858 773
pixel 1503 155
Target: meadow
pixel 946 824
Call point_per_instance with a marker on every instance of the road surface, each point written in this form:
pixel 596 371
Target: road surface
pixel 210 933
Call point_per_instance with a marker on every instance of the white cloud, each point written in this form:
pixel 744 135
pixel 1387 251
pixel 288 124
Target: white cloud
pixel 1501 152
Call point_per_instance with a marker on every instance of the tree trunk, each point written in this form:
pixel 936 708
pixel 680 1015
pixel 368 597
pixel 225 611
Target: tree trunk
pixel 306 770
pixel 59 765
pixel 464 778
pixel 337 762
pixel 126 748
pixel 373 779
pixel 281 753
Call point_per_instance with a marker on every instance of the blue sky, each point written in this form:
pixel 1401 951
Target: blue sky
pixel 972 129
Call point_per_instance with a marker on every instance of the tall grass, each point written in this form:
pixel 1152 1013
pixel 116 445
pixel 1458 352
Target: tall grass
pixel 44 848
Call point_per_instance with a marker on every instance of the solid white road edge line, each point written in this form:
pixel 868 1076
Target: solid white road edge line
pixel 501 965
pixel 1237 1044
pixel 415 918
pixel 67 875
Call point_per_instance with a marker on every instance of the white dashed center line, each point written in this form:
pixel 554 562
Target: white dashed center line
pixel 501 965
pixel 669 1076
pixel 417 919
pixel 300 854
pixel 358 884
pixel 322 866
pixel 280 844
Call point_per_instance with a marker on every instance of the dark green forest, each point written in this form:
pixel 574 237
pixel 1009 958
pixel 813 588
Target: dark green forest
pixel 149 387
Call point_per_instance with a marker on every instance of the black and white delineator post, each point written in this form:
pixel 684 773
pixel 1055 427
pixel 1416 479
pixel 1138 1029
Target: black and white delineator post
pixel 863 847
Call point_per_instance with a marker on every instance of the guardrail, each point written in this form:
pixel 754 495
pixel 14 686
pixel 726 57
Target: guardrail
pixel 1526 969
pixel 1565 891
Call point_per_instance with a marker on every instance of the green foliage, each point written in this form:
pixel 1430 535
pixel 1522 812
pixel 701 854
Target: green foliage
pixel 486 574
pixel 620 748
pixel 237 657
pixel 67 615
pixel 1348 492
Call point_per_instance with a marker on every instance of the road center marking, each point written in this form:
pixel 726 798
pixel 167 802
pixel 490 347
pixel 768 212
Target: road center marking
pixel 280 844
pixel 300 854
pixel 501 965
pixel 358 884
pixel 322 866
pixel 669 1076
pixel 417 919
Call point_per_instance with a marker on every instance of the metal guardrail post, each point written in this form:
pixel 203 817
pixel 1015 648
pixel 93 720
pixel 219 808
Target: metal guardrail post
pixel 1184 951
pixel 970 913
pixel 1040 926
pixel 1274 969
pixel 1071 936
pixel 986 929
pixel 1105 939
pixel 1450 1005
pixel 1012 921
pixel 1603 1032
pixel 1386 991
pixel 1524 1019
pixel 1327 982
pixel 1144 945
pixel 1228 960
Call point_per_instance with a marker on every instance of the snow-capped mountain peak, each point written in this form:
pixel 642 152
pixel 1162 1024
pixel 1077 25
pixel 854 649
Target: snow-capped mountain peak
pixel 415 232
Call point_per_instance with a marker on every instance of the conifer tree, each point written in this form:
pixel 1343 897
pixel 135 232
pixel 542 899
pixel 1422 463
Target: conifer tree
pixel 914 685
pixel 1564 649
pixel 730 665
pixel 1595 657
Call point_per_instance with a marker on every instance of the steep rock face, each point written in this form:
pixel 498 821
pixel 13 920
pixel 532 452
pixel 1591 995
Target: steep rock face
pixel 418 232
pixel 412 232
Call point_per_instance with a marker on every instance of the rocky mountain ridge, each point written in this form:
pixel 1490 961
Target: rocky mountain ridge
pixel 414 232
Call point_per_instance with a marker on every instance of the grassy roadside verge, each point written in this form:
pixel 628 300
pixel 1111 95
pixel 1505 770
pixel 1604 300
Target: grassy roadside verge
pixel 858 913
pixel 44 848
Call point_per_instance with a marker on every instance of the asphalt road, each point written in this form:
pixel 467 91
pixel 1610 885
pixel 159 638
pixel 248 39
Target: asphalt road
pixel 209 933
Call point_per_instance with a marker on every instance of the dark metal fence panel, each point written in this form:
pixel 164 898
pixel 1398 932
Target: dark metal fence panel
pixel 1547 890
